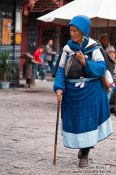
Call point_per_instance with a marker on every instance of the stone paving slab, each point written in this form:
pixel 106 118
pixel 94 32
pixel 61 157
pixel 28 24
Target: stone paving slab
pixel 27 125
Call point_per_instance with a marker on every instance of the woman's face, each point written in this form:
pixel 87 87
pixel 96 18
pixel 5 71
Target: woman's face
pixel 76 35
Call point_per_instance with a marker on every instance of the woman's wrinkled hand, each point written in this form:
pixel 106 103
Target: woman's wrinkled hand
pixel 81 58
pixel 59 93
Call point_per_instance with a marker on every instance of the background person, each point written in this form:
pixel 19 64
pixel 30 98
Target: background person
pixel 38 59
pixel 50 54
pixel 43 68
pixel 28 69
pixel 107 78
pixel 112 53
pixel 104 40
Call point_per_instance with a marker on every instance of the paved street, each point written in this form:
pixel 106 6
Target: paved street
pixel 27 125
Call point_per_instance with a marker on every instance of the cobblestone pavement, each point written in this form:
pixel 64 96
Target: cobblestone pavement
pixel 27 125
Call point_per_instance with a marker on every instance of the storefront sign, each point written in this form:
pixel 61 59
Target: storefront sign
pixel 6 31
pixel 17 38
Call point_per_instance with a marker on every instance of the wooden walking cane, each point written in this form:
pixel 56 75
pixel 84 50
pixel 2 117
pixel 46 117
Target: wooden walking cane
pixel 56 132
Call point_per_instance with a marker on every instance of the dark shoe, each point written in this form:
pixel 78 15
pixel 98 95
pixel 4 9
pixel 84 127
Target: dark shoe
pixel 83 162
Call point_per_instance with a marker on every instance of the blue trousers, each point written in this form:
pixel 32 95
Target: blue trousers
pixel 51 65
pixel 36 71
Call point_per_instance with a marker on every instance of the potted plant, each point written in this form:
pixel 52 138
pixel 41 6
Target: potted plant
pixel 6 69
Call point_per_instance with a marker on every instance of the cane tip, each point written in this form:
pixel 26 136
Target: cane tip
pixel 54 162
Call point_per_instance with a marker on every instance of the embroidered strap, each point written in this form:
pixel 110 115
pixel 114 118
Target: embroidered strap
pixel 68 63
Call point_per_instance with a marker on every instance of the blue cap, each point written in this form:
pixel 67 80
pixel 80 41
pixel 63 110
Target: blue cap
pixel 82 23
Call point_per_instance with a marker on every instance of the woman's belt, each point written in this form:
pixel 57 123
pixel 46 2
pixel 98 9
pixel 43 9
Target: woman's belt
pixel 81 81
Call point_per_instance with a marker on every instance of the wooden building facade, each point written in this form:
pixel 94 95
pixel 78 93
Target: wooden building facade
pixel 10 36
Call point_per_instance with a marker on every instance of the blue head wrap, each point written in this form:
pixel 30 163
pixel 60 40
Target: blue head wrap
pixel 82 23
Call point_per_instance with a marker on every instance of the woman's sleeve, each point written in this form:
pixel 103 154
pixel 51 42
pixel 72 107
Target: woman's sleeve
pixel 59 82
pixel 96 66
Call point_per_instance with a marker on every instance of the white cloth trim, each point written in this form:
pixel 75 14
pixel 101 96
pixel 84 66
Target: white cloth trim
pixel 97 55
pixel 87 139
pixel 68 49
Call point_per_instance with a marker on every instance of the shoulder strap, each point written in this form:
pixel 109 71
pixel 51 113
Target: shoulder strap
pixel 68 63
pixel 56 65
pixel 92 47
pixel 58 61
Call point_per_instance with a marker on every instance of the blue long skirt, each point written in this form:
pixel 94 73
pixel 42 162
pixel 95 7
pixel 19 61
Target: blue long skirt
pixel 85 114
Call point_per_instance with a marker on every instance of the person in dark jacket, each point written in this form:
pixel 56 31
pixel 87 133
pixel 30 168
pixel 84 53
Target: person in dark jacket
pixel 84 103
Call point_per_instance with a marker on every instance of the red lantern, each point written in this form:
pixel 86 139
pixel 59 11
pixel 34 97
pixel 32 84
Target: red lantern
pixel 29 6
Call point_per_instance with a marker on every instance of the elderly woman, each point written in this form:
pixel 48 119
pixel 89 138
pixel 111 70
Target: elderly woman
pixel 85 108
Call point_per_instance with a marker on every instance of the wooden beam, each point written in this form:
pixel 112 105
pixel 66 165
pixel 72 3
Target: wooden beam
pixel 46 5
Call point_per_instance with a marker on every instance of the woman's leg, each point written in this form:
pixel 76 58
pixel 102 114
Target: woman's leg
pixel 83 156
pixel 51 65
pixel 43 73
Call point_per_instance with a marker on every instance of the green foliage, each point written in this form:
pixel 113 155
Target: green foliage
pixel 6 67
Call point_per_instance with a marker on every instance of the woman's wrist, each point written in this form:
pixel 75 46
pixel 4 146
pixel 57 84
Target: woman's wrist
pixel 59 91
